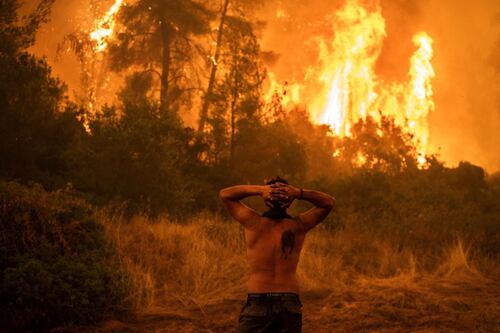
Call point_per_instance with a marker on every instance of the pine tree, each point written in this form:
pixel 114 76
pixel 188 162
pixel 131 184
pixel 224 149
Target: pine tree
pixel 236 95
pixel 157 37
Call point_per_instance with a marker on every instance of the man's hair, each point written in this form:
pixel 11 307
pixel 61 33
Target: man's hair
pixel 275 180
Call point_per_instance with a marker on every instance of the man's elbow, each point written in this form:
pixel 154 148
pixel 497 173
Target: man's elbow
pixel 223 195
pixel 330 204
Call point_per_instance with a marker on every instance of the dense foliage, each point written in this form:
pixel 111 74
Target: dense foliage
pixel 36 126
pixel 56 266
pixel 421 209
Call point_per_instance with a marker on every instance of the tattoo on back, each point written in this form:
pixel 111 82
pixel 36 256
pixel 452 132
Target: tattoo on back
pixel 287 243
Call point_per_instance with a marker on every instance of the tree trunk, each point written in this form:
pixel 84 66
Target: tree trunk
pixel 235 89
pixel 233 124
pixel 165 38
pixel 211 81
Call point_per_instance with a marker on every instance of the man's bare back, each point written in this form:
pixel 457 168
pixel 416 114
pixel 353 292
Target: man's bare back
pixel 273 251
pixel 274 242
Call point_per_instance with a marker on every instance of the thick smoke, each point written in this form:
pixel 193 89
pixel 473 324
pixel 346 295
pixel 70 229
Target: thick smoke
pixel 466 123
pixel 67 17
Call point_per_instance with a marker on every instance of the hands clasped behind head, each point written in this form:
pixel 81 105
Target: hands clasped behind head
pixel 280 196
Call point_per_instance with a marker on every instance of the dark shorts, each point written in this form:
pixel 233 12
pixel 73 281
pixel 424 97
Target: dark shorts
pixel 271 312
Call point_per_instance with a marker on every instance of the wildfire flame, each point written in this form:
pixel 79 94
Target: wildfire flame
pixel 349 87
pixel 419 92
pixel 289 93
pixel 348 72
pixel 105 27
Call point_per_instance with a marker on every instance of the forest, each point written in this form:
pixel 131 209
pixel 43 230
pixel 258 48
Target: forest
pixel 109 214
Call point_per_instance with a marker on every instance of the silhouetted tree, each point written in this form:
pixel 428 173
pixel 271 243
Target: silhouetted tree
pixel 157 37
pixel 381 146
pixel 19 34
pixel 37 127
pixel 236 96
pixel 213 69
pixel 238 7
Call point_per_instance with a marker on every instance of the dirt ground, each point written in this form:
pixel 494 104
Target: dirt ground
pixel 402 304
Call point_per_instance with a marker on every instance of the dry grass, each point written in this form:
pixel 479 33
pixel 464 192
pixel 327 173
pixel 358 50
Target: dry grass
pixel 190 277
pixel 198 262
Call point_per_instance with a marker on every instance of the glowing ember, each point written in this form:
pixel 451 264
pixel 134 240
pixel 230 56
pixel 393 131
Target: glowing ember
pixel 280 12
pixel 105 27
pixel 349 89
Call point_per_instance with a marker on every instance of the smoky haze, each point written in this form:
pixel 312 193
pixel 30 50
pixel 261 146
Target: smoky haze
pixel 67 17
pixel 465 124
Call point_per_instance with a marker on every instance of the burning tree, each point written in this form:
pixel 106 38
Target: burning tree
pixel 89 43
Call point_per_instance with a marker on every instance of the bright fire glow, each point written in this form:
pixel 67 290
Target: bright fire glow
pixel 105 27
pixel 419 92
pixel 289 93
pixel 348 68
pixel 349 89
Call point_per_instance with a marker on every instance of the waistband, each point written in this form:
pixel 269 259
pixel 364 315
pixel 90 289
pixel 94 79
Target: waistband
pixel 271 295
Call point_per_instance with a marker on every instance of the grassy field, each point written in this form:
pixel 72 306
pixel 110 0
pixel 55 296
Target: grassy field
pixel 190 277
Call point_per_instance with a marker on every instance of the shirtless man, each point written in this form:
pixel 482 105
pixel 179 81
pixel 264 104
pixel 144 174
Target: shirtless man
pixel 274 241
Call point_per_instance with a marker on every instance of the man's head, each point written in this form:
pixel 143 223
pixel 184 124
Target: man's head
pixel 277 204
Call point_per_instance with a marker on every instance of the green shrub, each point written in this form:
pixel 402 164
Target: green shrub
pixel 419 210
pixel 57 268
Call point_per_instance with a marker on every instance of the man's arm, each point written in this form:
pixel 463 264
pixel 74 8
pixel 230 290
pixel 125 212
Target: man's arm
pixel 323 203
pixel 231 197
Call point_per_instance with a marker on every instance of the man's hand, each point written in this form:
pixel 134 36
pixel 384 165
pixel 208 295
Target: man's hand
pixel 266 192
pixel 284 193
pixel 269 194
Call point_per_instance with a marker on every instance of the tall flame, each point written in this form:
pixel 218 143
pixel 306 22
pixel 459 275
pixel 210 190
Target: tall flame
pixel 105 27
pixel 347 89
pixel 348 68
pixel 419 92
